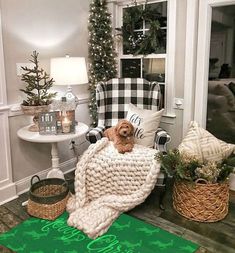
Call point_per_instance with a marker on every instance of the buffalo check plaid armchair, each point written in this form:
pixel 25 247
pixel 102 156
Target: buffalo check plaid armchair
pixel 113 98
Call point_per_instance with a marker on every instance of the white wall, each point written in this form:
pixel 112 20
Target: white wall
pixel 54 28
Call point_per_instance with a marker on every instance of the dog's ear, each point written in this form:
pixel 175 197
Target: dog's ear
pixel 123 121
pixel 132 129
pixel 116 128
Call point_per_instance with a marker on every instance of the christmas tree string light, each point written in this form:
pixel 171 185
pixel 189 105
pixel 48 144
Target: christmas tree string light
pixel 101 51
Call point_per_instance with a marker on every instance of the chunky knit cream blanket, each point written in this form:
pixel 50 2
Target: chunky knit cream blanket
pixel 108 183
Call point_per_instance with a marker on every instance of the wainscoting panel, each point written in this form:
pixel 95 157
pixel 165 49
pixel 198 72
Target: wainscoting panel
pixel 7 187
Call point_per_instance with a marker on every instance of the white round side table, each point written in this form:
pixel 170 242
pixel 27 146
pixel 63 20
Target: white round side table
pixel 35 137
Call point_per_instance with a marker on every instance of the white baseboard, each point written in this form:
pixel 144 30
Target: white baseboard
pixel 23 185
pixel 8 193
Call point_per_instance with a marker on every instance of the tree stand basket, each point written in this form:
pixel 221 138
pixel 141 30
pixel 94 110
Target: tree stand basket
pixel 47 198
pixel 204 202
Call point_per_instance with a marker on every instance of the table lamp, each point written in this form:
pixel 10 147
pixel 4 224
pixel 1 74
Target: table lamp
pixel 69 71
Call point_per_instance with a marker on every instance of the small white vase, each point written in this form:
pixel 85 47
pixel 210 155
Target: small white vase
pixel 232 181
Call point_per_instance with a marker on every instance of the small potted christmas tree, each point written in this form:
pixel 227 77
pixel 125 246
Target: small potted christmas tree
pixel 37 92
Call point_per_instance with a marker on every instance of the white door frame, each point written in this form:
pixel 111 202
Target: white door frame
pixel 7 187
pixel 203 51
pixel 190 62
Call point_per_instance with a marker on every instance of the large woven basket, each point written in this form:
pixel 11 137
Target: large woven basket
pixel 47 198
pixel 202 202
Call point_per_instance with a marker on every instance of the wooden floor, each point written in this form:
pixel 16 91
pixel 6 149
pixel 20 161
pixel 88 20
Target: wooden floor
pixel 218 237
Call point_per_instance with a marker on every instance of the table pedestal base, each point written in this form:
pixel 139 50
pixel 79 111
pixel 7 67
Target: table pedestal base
pixel 55 168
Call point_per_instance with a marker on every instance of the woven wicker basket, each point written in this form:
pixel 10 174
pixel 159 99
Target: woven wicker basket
pixel 47 198
pixel 202 202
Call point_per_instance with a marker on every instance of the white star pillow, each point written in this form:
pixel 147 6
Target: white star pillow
pixel 204 146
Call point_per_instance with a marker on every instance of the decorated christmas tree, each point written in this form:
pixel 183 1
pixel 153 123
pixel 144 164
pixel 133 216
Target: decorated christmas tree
pixel 101 50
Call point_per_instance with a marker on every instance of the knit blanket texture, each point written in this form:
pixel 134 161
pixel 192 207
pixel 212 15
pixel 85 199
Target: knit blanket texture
pixel 108 183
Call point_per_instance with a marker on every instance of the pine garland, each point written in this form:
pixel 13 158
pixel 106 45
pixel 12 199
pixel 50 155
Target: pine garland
pixel 101 51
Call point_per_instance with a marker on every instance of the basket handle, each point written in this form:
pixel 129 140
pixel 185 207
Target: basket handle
pixel 65 184
pixel 201 180
pixel 35 176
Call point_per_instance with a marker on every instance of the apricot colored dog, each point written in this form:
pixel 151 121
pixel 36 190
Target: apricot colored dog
pixel 122 136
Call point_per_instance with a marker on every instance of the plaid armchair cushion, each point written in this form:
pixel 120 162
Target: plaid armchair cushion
pixel 95 134
pixel 161 140
pixel 114 96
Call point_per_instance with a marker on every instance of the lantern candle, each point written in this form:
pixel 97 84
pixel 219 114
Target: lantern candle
pixel 66 123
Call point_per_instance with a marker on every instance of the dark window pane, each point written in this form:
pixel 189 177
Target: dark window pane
pixel 156 11
pixel 132 21
pixel 131 68
pixel 155 41
pixel 132 18
pixel 132 43
pixel 154 69
pixel 144 29
pixel 162 87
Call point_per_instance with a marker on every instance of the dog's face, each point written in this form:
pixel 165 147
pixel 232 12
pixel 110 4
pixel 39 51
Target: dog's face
pixel 124 128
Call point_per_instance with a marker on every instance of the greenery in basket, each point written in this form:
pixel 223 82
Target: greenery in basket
pixel 185 167
pixel 37 84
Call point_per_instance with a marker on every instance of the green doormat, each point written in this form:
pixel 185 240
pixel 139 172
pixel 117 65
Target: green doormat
pixel 126 235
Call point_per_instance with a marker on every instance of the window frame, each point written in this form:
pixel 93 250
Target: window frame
pixel 170 49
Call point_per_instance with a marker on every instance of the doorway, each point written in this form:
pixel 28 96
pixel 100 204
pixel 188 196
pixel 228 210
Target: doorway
pixel 215 72
pixel 220 119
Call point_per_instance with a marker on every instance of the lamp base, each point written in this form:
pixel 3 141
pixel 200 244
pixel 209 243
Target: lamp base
pixel 70 96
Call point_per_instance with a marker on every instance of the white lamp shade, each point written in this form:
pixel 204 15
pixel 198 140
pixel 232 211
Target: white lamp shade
pixel 69 70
